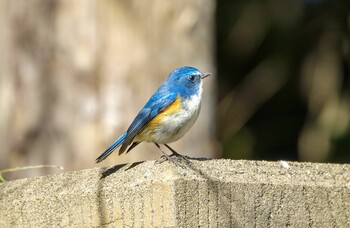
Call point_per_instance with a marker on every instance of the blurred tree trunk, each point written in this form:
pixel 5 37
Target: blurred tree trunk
pixel 73 75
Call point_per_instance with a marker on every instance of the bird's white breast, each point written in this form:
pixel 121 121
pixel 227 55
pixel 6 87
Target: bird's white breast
pixel 173 126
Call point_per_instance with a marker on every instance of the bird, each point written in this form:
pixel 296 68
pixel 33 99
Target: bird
pixel 167 116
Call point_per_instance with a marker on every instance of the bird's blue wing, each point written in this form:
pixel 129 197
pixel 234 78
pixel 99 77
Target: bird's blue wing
pixel 150 111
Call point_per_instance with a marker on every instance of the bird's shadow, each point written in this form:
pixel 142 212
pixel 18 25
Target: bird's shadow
pixel 199 159
pixel 115 168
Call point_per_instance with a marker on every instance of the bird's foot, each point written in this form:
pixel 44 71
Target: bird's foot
pixel 161 159
pixel 176 160
pixel 183 157
pixel 174 157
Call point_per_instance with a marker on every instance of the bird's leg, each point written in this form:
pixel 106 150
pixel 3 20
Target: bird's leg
pixel 176 153
pixel 165 155
pixel 172 150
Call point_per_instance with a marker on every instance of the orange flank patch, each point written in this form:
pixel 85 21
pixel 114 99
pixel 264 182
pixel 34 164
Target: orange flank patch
pixel 172 108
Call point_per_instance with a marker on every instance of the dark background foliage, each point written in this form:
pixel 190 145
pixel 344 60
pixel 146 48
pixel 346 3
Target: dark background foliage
pixel 283 69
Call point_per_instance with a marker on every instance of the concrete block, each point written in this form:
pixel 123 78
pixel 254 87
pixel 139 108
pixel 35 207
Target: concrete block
pixel 208 193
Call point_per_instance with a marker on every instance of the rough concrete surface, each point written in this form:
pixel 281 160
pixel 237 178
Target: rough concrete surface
pixel 208 193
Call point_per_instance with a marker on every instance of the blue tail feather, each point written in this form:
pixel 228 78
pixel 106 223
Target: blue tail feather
pixel 116 143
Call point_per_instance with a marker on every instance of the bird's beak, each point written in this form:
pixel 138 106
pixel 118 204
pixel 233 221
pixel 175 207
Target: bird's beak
pixel 205 75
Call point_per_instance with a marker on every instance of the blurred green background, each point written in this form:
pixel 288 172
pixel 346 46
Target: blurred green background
pixel 283 79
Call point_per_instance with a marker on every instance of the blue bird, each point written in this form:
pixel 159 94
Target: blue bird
pixel 168 114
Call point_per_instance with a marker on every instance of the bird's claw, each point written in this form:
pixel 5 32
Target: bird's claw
pixel 162 159
pixel 175 158
pixel 183 157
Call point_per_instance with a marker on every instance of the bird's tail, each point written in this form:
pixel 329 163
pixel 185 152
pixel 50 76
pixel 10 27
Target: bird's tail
pixel 116 143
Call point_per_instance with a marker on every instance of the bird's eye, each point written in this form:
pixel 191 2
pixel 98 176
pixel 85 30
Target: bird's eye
pixel 192 78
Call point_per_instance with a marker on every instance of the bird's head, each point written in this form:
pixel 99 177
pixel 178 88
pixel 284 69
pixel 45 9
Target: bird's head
pixel 188 79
